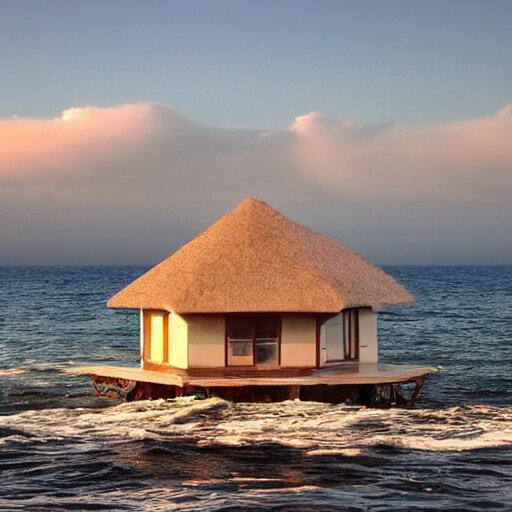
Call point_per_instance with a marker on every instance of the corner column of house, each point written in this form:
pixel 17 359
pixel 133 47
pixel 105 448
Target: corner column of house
pixel 368 344
pixel 142 341
pixel 322 343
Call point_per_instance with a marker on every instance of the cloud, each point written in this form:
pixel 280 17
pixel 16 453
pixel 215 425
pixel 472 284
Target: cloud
pixel 460 161
pixel 80 140
pixel 130 183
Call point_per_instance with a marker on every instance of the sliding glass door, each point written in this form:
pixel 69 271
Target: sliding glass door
pixel 342 336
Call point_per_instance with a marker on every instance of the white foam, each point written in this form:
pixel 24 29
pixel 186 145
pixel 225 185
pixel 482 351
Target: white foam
pixel 12 371
pixel 320 429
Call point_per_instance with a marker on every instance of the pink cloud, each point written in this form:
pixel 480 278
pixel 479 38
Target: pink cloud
pixel 459 160
pixel 80 139
pixel 108 183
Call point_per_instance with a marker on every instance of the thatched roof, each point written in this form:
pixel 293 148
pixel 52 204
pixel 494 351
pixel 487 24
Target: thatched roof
pixel 255 260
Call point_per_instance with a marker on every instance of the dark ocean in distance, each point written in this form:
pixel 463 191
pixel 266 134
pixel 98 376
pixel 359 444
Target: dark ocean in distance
pixel 63 449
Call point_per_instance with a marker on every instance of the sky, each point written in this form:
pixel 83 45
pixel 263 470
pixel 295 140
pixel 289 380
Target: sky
pixel 128 127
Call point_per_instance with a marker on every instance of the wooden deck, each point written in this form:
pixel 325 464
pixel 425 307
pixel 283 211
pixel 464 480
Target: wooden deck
pixel 380 373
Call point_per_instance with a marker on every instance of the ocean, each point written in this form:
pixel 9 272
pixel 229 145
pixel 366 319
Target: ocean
pixel 61 448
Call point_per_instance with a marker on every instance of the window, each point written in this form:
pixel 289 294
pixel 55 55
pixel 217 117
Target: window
pixel 342 336
pixel 252 340
pixel 240 341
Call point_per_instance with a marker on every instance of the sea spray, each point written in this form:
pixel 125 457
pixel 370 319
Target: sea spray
pixel 305 425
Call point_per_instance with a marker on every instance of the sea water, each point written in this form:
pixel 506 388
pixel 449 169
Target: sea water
pixel 61 448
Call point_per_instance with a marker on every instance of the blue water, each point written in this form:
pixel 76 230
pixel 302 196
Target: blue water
pixel 61 448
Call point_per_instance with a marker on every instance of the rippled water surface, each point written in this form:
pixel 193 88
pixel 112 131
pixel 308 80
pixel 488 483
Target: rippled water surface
pixel 63 449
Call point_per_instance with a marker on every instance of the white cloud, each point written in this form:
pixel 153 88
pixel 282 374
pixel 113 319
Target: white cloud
pixel 130 183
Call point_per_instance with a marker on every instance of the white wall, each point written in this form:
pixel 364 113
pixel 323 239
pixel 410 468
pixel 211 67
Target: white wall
pixel 298 341
pixel 206 338
pixel 368 344
pixel 206 341
pixel 198 341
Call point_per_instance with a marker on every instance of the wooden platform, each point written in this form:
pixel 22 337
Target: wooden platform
pixel 380 373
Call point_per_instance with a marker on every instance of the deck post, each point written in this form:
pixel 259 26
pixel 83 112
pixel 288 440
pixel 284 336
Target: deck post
pixel 419 385
pixel 294 392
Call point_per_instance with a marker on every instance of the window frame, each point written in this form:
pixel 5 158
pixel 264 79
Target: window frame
pixel 253 318
pixel 353 327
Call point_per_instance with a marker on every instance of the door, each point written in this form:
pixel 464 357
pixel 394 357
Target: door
pixel 334 339
pixel 342 336
pixel 155 336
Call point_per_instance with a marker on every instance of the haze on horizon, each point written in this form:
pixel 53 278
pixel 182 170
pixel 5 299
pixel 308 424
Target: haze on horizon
pixel 387 127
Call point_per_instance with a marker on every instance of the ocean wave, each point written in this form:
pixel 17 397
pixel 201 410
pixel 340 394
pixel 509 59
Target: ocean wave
pixel 12 371
pixel 314 427
pixel 212 455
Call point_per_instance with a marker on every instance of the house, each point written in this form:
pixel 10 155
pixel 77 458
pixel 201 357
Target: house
pixel 258 307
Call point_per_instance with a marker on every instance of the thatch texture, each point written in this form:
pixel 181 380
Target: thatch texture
pixel 255 260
